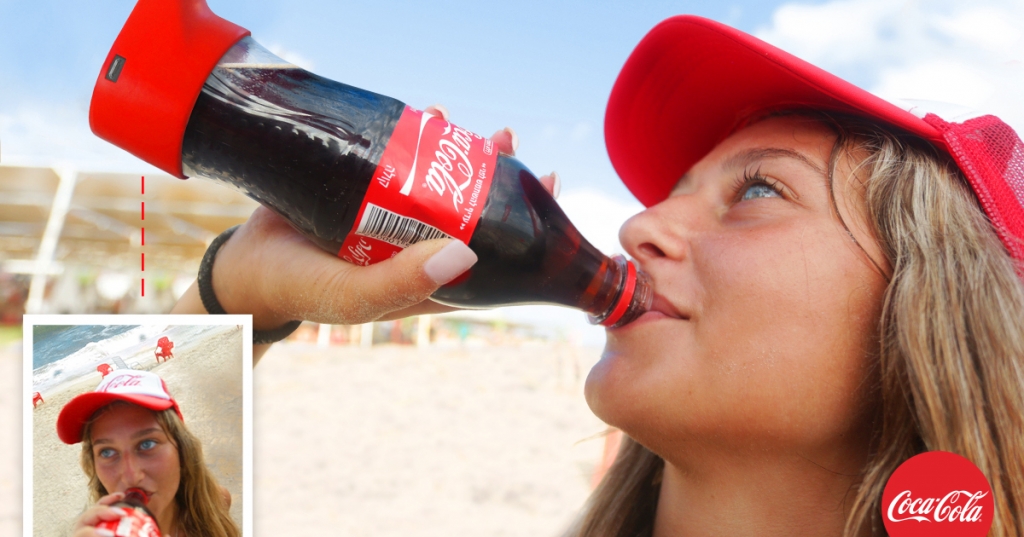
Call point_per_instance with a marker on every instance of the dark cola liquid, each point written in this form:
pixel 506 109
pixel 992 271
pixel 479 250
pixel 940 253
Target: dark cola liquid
pixel 300 144
pixel 529 252
pixel 307 147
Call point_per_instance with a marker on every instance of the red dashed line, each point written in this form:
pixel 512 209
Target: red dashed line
pixel 142 214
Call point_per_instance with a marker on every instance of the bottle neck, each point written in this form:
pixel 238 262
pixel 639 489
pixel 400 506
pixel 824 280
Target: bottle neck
pixel 633 294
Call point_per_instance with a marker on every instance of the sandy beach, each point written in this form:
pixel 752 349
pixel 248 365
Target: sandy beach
pixel 397 441
pixel 10 440
pixel 205 377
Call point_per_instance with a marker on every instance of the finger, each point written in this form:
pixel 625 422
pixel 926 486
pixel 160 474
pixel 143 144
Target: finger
pixel 506 140
pixel 552 184
pixel 111 498
pixel 352 295
pixel 438 110
pixel 89 531
pixel 94 515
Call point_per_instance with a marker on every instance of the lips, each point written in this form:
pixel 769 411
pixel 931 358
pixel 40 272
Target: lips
pixel 666 308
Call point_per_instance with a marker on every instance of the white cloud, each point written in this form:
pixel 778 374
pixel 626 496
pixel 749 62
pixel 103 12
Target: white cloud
pixel 985 26
pixel 291 57
pixel 939 80
pixel 598 216
pixel 581 131
pixel 48 135
pixel 967 53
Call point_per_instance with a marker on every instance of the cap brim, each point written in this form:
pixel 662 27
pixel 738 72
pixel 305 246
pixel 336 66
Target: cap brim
pixel 692 81
pixel 77 411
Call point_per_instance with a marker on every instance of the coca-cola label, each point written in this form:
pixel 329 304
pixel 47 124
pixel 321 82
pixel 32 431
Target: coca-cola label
pixel 135 524
pixel 937 494
pixel 431 183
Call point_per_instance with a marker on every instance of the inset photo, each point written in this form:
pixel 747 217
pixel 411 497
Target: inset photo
pixel 140 425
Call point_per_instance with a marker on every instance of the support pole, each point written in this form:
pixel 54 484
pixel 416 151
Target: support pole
pixel 423 332
pixel 51 236
pixel 366 335
pixel 323 336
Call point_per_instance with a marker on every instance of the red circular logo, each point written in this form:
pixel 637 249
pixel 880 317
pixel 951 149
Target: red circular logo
pixel 937 494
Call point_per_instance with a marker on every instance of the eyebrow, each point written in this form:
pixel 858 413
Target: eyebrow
pixel 144 432
pixel 744 159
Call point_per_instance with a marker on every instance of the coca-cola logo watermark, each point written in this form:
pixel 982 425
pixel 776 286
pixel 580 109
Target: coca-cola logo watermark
pixel 937 494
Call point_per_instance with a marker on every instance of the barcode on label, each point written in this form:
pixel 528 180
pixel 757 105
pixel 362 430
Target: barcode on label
pixel 402 231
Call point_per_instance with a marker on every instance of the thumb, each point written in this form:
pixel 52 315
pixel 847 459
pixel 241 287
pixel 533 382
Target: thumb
pixel 407 279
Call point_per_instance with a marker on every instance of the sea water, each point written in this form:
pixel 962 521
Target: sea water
pixel 64 354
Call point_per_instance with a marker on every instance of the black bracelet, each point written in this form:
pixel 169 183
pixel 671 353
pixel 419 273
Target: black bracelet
pixel 212 305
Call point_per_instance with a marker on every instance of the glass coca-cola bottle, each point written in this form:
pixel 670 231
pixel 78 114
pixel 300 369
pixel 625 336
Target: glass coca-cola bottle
pixel 139 521
pixel 361 175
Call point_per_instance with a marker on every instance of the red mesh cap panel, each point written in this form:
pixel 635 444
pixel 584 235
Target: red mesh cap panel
pixel 991 155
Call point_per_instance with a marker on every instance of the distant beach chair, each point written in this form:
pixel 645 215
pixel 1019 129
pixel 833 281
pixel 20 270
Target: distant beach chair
pixel 104 369
pixel 163 350
pixel 36 399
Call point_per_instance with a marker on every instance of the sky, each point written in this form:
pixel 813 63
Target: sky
pixel 544 68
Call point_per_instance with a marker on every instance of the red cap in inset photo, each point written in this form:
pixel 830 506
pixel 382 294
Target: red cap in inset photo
pixel 691 82
pixel 153 74
pixel 137 387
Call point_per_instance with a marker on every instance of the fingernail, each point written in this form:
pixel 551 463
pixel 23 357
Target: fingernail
pixel 450 261
pixel 557 187
pixel 103 532
pixel 120 510
pixel 515 138
pixel 443 110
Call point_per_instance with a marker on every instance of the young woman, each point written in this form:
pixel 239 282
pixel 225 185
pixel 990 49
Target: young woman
pixel 839 286
pixel 832 298
pixel 133 436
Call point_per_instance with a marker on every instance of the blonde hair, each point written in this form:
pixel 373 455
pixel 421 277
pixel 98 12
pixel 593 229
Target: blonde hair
pixel 203 510
pixel 951 341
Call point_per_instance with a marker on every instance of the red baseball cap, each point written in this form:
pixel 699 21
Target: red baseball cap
pixel 691 82
pixel 137 387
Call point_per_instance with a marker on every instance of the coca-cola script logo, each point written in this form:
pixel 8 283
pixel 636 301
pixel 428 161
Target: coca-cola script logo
pixel 358 253
pixel 450 169
pixel 937 494
pixel 123 381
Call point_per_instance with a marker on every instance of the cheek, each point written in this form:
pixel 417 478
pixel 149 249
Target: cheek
pixel 108 474
pixel 170 470
pixel 794 326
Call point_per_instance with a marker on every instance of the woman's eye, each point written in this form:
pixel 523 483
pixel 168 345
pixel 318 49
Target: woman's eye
pixel 147 445
pixel 759 190
pixel 106 453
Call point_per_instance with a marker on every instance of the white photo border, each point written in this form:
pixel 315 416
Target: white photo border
pixel 28 455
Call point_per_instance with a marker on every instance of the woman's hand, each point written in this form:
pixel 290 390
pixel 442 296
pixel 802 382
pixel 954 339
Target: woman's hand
pixel 269 270
pixel 85 526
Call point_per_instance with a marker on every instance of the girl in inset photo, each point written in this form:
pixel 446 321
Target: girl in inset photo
pixel 133 436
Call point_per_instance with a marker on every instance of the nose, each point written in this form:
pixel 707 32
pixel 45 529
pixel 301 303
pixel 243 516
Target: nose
pixel 661 232
pixel 132 472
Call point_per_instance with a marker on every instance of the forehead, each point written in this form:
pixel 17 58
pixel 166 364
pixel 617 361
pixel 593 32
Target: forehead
pixel 122 420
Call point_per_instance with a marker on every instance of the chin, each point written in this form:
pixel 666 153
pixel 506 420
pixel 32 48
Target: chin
pixel 615 388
